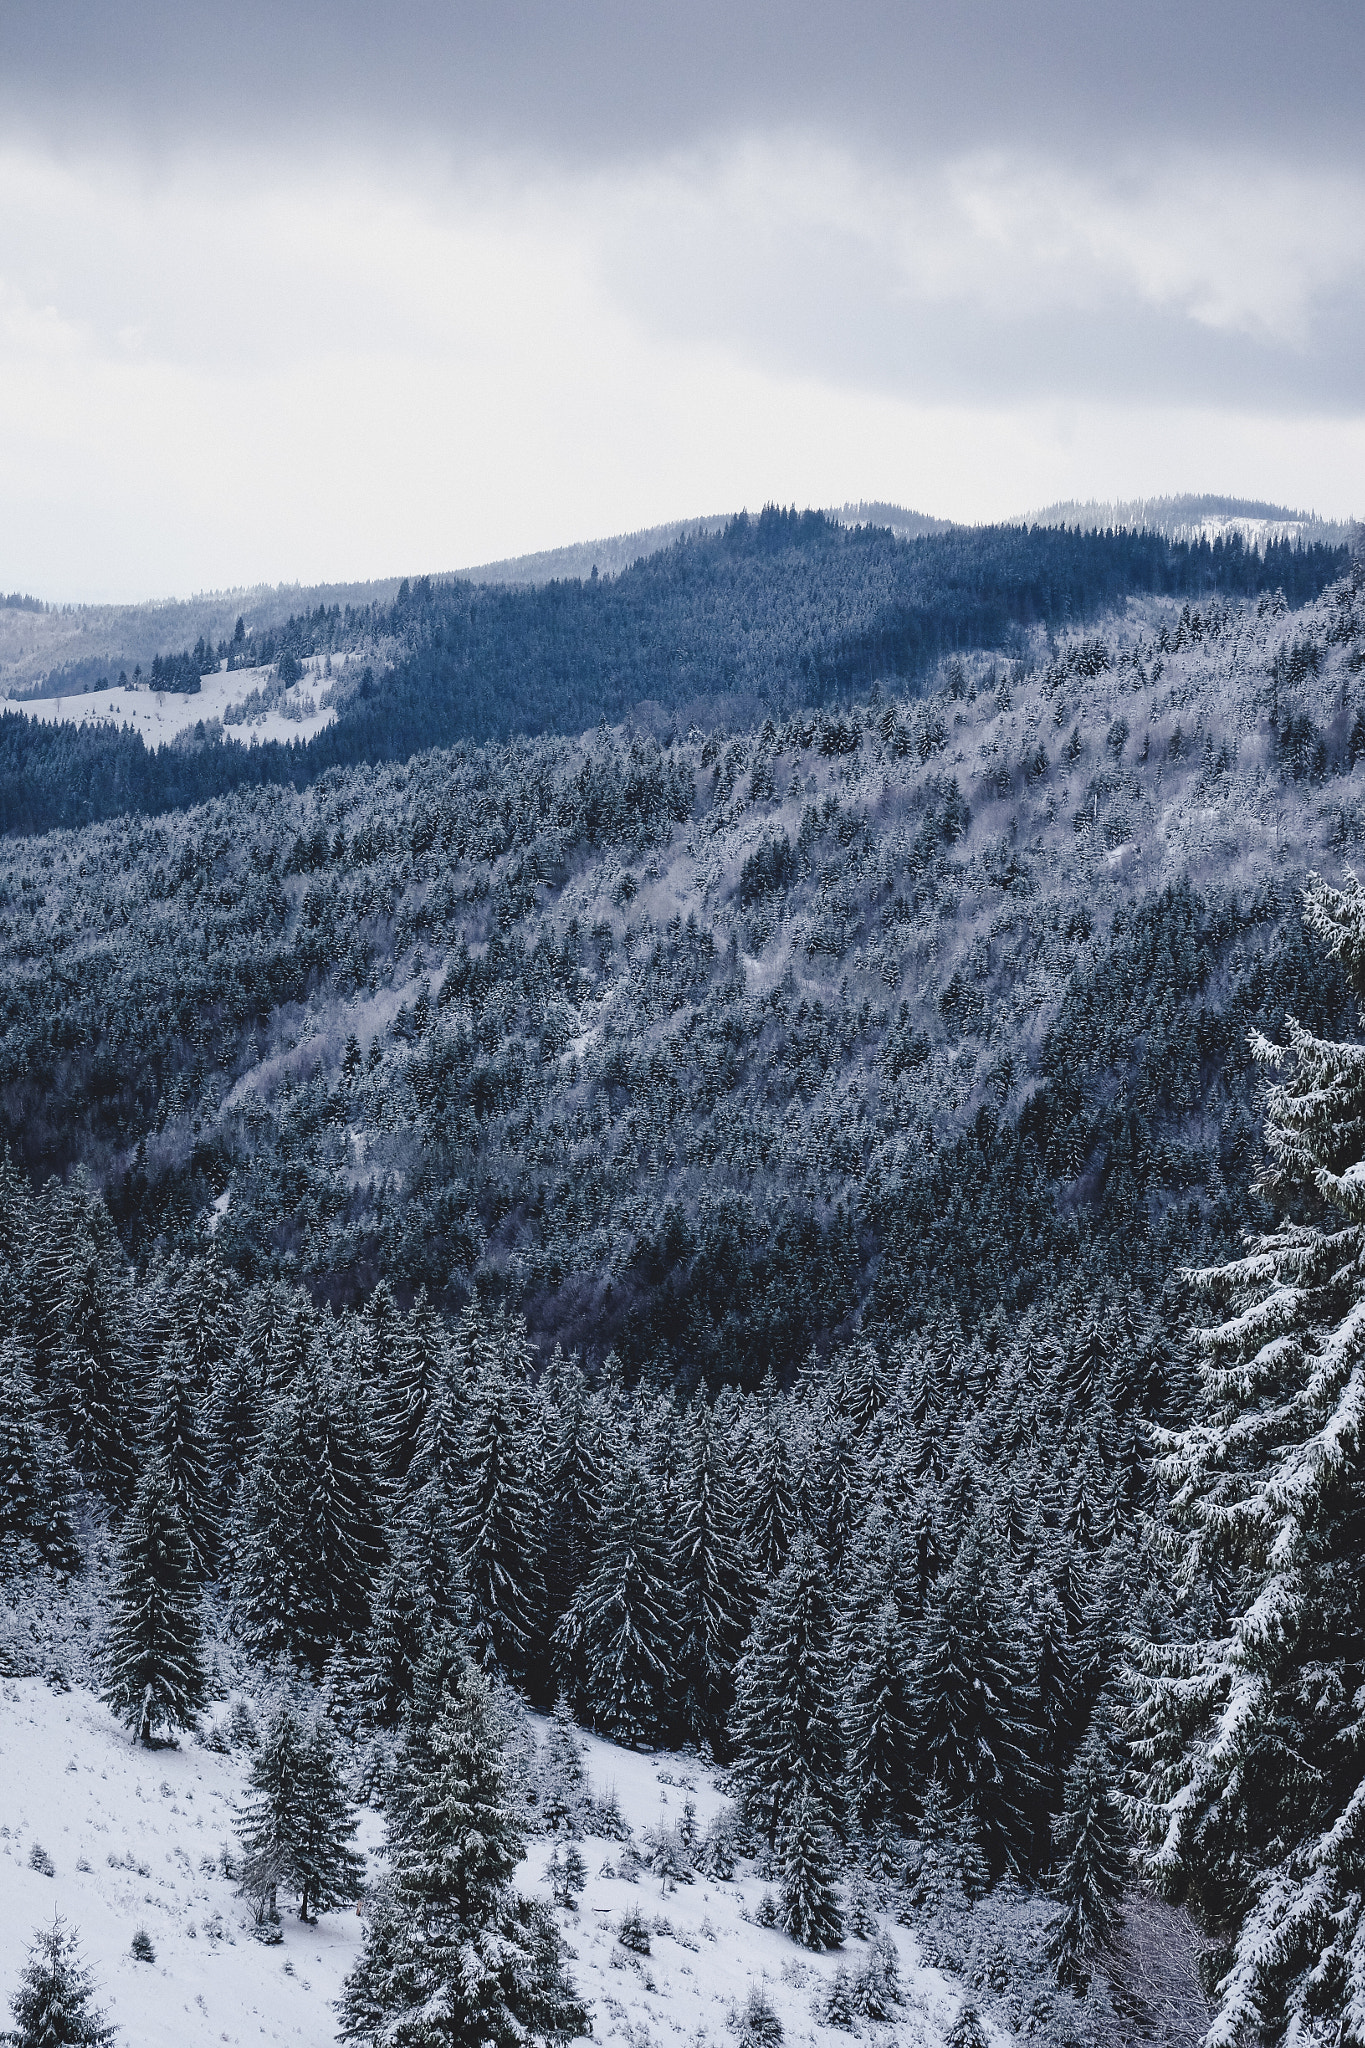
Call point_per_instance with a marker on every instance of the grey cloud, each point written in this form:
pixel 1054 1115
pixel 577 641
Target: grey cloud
pixel 613 77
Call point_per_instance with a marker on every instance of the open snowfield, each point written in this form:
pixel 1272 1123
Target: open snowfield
pixel 137 1837
pixel 161 715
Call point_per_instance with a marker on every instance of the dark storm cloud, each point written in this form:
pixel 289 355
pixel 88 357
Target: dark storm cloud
pixel 612 76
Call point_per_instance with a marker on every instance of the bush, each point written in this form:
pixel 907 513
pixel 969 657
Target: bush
pixel 39 1860
pixel 633 1933
pixel 758 2025
pixel 143 1952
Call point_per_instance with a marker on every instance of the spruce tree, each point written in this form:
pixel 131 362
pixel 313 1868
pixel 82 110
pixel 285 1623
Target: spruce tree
pixel 176 1437
pixel 772 1519
pixel 416 1367
pixel 400 1623
pixel 810 1903
pixel 1089 1839
pixel 52 2007
pixel 496 1528
pixel 624 1622
pixel 1248 1723
pixel 154 1648
pixel 970 1705
pixel 453 1958
pixel 307 1524
pixel 785 1724
pixel 713 1576
pixel 878 1735
pixel 297 1826
pixel 35 1480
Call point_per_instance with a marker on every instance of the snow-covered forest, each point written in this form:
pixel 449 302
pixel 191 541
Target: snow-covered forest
pixel 805 1270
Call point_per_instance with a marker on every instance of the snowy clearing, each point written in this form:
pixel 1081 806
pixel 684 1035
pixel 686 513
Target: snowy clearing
pixel 161 715
pixel 136 1839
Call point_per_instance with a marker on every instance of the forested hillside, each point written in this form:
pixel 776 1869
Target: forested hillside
pixel 694 1222
pixel 769 614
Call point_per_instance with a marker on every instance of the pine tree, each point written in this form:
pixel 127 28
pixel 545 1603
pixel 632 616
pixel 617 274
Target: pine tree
pixel 307 1523
pixel 878 1736
pixel 1249 1725
pixel 399 1626
pixel 498 1517
pixel 154 1646
pixel 772 1520
pixel 573 1500
pixel 453 1958
pixel 563 1780
pixel 52 2007
pixel 415 1370
pixel 971 1711
pixel 623 1622
pixel 206 1319
pixel 810 1903
pixel 712 1573
pixel 1088 1835
pixel 297 1827
pixel 785 1724
pixel 176 1438
pixel 35 1484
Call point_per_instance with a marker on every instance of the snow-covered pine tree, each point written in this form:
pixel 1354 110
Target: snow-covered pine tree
pixel 407 1390
pixel 1249 1725
pixel 624 1622
pixel 562 1777
pixel 573 1502
pixel 400 1623
pixel 52 2006
pixel 772 1518
pixel 307 1527
pixel 878 1738
pixel 452 1956
pixel 713 1576
pixel 153 1651
pixel 326 1871
pixel 268 1820
pixel 35 1479
pixel 810 1902
pixel 91 1382
pixel 206 1317
pixel 785 1723
pixel 498 1524
pixel 1089 1839
pixel 972 1714
pixel 297 1825
pixel 175 1436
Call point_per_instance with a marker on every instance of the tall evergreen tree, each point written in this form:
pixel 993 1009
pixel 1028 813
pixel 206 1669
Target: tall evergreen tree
pixel 786 1728
pixel 453 1958
pixel 497 1526
pixel 35 1480
pixel 623 1623
pixel 810 1902
pixel 297 1828
pixel 1249 1723
pixel 878 1734
pixel 971 1709
pixel 1089 1838
pixel 713 1576
pixel 417 1365
pixel 772 1518
pixel 176 1438
pixel 52 2007
pixel 154 1646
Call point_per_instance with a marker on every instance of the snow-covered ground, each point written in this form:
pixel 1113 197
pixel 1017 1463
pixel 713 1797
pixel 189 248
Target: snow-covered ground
pixel 136 1839
pixel 160 715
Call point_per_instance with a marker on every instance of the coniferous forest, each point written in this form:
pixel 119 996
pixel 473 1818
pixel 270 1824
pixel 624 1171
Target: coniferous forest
pixel 763 1158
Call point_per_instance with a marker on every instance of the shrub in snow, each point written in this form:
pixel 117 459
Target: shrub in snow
pixel 758 2025
pixel 142 1949
pixel 967 2030
pixel 567 1874
pixel 52 2005
pixel 39 1860
pixel 870 1991
pixel 633 1932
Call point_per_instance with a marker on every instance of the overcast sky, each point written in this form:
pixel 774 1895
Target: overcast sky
pixel 317 292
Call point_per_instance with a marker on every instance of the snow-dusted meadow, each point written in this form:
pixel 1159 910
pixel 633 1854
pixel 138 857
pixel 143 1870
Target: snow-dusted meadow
pixel 161 715
pixel 139 1839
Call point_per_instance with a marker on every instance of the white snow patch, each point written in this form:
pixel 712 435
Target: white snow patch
pixel 160 715
pixel 145 1822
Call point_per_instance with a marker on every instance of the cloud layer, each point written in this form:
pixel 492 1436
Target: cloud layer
pixel 325 298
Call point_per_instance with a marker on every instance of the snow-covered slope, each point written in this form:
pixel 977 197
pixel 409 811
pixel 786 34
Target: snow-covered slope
pixel 140 1838
pixel 160 715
